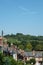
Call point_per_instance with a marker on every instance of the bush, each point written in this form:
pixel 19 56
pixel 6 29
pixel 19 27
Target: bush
pixel 32 61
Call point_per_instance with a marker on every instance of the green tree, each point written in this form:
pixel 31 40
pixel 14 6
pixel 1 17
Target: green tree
pixel 39 47
pixel 21 47
pixel 9 61
pixel 1 58
pixel 32 61
pixel 20 63
pixel 13 62
pixel 34 43
pixel 28 47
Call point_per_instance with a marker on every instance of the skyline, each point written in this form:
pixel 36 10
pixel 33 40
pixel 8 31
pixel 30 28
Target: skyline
pixel 21 16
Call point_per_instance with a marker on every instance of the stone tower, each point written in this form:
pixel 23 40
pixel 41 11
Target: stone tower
pixel 1 41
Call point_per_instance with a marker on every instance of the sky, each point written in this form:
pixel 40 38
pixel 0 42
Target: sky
pixel 21 16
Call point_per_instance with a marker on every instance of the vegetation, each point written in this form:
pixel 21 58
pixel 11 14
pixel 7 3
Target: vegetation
pixel 26 42
pixel 8 60
pixel 32 61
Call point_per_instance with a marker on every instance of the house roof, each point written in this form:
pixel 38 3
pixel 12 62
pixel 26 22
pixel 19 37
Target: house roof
pixel 10 51
pixel 38 54
pixel 30 54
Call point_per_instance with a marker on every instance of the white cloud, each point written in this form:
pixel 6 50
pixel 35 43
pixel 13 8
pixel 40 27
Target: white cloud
pixel 22 8
pixel 27 11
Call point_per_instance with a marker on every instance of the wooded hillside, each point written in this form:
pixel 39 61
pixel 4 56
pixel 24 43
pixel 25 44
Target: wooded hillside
pixel 26 42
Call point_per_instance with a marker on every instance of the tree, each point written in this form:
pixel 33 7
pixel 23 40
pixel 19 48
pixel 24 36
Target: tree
pixel 9 61
pixel 32 61
pixel 13 62
pixel 1 58
pixel 34 44
pixel 39 47
pixel 20 63
pixel 28 47
pixel 21 47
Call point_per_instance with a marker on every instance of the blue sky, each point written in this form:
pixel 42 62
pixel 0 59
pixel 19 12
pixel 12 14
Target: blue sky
pixel 21 16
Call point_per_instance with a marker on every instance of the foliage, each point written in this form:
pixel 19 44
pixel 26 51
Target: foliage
pixel 28 47
pixel 6 60
pixel 20 63
pixel 39 47
pixel 1 58
pixel 32 61
pixel 23 40
pixel 21 47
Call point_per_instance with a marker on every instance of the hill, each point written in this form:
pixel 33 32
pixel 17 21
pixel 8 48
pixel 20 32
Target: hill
pixel 26 42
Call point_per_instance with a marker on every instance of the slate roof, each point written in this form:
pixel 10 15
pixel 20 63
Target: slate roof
pixel 9 51
pixel 30 54
pixel 38 54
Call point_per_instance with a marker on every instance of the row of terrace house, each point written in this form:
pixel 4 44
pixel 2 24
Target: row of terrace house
pixel 34 54
pixel 37 55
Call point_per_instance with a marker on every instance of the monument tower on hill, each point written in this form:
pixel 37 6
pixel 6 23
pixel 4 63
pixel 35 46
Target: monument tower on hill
pixel 2 33
pixel 1 41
